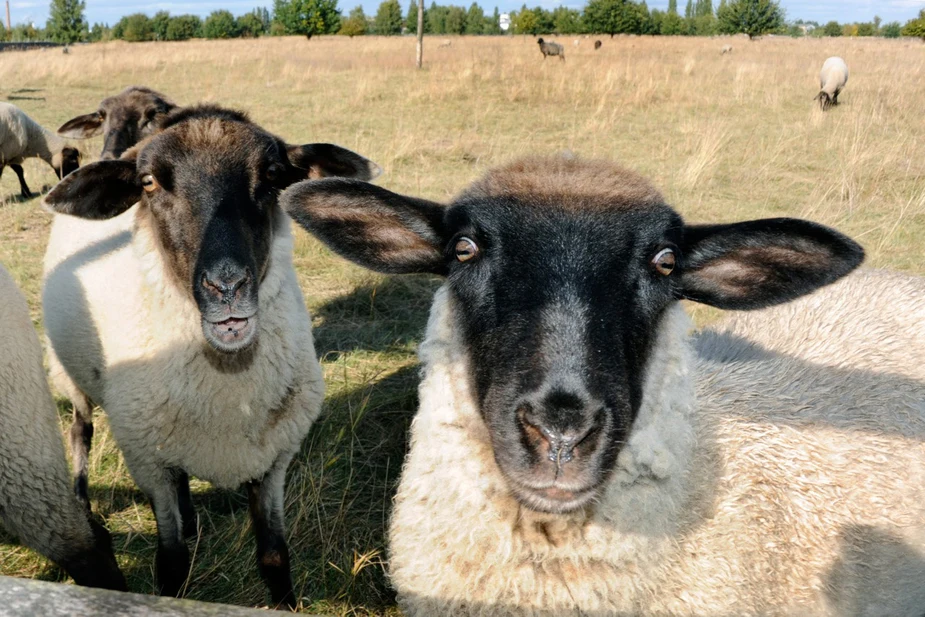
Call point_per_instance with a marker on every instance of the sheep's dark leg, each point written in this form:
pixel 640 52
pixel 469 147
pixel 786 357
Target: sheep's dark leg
pixel 172 561
pixel 185 502
pixel 24 188
pixel 81 440
pixel 266 497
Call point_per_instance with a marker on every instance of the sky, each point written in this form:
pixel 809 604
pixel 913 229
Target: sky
pixel 109 11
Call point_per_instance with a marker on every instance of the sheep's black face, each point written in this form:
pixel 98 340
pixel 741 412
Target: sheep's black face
pixel 208 184
pixel 560 272
pixel 559 309
pixel 123 120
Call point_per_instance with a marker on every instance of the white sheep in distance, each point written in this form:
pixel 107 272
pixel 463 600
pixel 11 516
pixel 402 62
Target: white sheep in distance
pixel 36 502
pixel 21 138
pixel 575 453
pixel 727 49
pixel 832 78
pixel 172 302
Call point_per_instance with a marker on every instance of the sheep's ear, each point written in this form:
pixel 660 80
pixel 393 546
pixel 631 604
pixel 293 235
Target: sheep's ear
pixel 82 127
pixel 760 263
pixel 326 160
pixel 373 227
pixel 98 191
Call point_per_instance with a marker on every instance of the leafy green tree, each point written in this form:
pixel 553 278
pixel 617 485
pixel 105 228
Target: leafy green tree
pixel 475 19
pixel 566 20
pixel 833 28
pixel 308 17
pixel 354 24
pixel 435 19
pixel 672 7
pixel 877 21
pixel 866 29
pixel 99 32
pixel 184 27
pixel 134 28
pixel 689 10
pixel 388 18
pixel 751 17
pixel 794 31
pixel 525 22
pixel 915 27
pixel 455 20
pixel 66 23
pixel 493 23
pixel 672 24
pixel 613 16
pixel 411 18
pixel 220 25
pixel 891 30
pixel 250 25
pixel 159 25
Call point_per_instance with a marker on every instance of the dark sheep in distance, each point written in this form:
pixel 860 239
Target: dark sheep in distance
pixel 597 44
pixel 551 49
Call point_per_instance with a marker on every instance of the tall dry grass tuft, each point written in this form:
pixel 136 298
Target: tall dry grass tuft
pixel 725 138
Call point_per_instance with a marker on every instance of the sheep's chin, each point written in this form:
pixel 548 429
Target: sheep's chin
pixel 231 335
pixel 552 499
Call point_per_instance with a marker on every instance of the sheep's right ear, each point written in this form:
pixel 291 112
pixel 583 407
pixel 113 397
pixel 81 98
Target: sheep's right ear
pixel 82 127
pixel 367 224
pixel 97 191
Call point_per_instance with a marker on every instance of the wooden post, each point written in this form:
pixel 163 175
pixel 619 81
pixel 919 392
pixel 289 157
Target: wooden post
pixel 9 26
pixel 420 61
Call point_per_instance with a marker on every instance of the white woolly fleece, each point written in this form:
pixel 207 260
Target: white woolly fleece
pixel 132 341
pixel 36 500
pixel 833 76
pixel 781 488
pixel 21 137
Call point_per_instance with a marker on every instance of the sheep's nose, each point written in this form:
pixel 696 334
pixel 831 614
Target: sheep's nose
pixel 224 284
pixel 556 426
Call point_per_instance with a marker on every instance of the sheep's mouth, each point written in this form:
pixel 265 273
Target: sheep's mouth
pixel 553 499
pixel 231 335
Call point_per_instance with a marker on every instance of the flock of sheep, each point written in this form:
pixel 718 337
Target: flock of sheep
pixel 576 451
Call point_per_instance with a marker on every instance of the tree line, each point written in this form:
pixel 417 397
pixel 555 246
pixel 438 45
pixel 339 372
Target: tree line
pixel 66 23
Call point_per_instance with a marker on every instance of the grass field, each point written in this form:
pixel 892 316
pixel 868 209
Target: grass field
pixel 725 137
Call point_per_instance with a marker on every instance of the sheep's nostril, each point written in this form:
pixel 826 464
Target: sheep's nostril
pixel 555 444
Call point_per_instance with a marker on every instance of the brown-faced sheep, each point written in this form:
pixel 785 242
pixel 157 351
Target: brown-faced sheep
pixel 123 119
pixel 575 453
pixel 597 45
pixel 171 300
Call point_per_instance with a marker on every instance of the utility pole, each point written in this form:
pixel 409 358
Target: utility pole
pixel 9 26
pixel 420 32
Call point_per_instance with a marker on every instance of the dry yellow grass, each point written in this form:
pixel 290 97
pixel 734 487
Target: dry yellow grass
pixel 726 137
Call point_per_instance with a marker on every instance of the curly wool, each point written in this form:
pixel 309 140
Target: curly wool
pixel 21 137
pixel 36 501
pixel 752 484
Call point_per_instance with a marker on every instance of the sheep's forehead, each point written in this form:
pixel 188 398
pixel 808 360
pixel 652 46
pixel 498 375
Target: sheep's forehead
pixel 214 141
pixel 567 183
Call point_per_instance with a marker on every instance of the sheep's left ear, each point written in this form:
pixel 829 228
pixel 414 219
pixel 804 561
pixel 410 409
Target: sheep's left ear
pixel 97 191
pixel 328 160
pixel 760 263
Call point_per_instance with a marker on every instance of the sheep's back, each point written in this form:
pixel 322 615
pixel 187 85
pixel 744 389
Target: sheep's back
pixel 14 132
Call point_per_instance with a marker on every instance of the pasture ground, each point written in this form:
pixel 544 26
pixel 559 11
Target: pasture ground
pixel 725 137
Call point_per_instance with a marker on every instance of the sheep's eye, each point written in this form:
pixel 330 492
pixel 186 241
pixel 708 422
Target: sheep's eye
pixel 274 172
pixel 148 183
pixel 466 249
pixel 664 261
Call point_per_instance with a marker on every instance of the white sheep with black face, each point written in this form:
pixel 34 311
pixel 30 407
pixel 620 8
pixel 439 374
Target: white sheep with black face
pixel 36 502
pixel 171 301
pixel 21 138
pixel 575 453
pixel 832 79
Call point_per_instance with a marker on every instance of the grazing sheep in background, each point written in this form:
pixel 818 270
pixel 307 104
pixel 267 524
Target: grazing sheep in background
pixel 36 502
pixel 123 119
pixel 597 45
pixel 445 43
pixel 21 137
pixel 727 49
pixel 551 49
pixel 575 453
pixel 832 78
pixel 576 42
pixel 180 315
